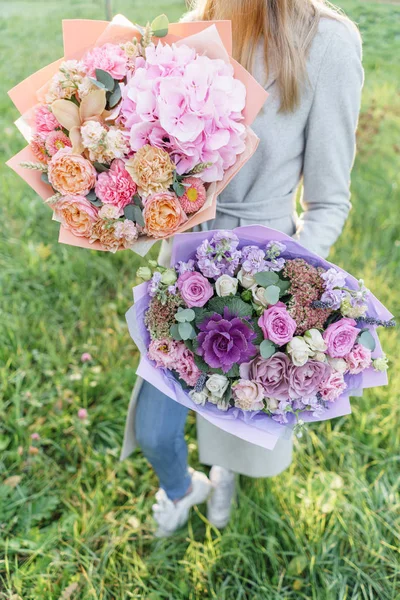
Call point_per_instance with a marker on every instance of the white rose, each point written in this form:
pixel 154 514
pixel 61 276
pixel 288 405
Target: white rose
pixel 246 280
pixel 226 286
pixel 315 340
pixel 320 357
pixel 272 404
pixel 259 297
pixel 199 398
pixel 338 364
pixel 299 351
pixel 217 386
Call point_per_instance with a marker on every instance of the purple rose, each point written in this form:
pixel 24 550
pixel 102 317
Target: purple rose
pixel 305 381
pixel 272 373
pixel 277 325
pixel 224 341
pixel 195 289
pixel 340 337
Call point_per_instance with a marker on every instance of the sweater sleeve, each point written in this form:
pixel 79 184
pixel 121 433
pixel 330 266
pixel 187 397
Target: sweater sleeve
pixel 330 144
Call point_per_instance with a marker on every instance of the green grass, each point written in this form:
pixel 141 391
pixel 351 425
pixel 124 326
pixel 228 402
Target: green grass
pixel 75 523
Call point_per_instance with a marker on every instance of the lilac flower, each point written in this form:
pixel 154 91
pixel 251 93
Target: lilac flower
pixel 333 298
pixel 253 260
pixel 280 414
pixel 183 267
pixel 276 264
pixel 333 279
pixel 154 284
pixel 219 256
pixel 225 341
pixel 274 249
pixel 172 289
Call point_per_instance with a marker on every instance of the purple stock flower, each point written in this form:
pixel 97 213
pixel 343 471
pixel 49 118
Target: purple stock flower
pixel 225 341
pixel 333 279
pixel 183 267
pixel 333 298
pixel 219 256
pixel 274 249
pixel 275 264
pixel 253 259
pixel 154 284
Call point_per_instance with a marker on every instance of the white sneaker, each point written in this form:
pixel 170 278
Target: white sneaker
pixel 170 515
pixel 219 505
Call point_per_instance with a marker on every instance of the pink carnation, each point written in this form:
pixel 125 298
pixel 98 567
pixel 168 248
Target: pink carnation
pixel 358 359
pixel 194 196
pixel 332 386
pixel 109 57
pixel 116 186
pixel 165 352
pixel 187 368
pixel 45 121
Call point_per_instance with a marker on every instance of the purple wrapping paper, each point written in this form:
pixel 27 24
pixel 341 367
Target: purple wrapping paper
pixel 257 428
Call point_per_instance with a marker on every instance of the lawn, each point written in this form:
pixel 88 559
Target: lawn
pixel 74 522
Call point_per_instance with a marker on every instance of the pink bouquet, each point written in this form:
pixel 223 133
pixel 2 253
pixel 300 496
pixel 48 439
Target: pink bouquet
pixel 256 333
pixel 132 138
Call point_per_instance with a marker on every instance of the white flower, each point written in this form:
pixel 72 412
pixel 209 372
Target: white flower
pixel 226 286
pixel 353 312
pixel 199 398
pixel 259 297
pixel 299 351
pixel 381 363
pixel 93 135
pixel 126 231
pixel 85 87
pixel 117 144
pixel 217 386
pixel 246 280
pixel 320 357
pixel 338 364
pixel 272 404
pixel 315 340
pixel 109 211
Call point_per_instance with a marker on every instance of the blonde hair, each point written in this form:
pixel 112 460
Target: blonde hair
pixel 285 27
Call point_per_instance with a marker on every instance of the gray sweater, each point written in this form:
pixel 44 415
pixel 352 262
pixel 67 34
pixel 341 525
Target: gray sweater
pixel 316 143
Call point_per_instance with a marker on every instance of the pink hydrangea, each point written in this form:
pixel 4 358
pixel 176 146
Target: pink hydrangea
pixel 116 186
pixel 109 57
pixel 358 359
pixel 45 121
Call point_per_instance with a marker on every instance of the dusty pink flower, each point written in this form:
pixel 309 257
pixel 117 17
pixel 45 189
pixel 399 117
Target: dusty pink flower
pixel 194 196
pixel 35 436
pixel 271 373
pixel 195 289
pixel 165 352
pixel 86 357
pixel 277 325
pixel 109 57
pixel 248 395
pixel 358 359
pixel 56 140
pixel 340 337
pixel 116 186
pixel 126 232
pixel 187 368
pixel 71 173
pixel 76 214
pixel 38 147
pixel 332 387
pixel 45 121
pixel 82 414
pixel 305 381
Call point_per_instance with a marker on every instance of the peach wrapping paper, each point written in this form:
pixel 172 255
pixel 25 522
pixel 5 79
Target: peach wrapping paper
pixel 211 38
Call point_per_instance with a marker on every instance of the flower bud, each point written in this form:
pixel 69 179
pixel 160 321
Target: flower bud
pixel 144 273
pixel 169 277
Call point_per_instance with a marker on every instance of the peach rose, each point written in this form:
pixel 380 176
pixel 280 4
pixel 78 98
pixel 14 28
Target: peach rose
pixel 163 214
pixel 76 214
pixel 71 173
pixel 151 169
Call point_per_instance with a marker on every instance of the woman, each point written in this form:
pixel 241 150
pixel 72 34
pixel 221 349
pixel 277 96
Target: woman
pixel 308 57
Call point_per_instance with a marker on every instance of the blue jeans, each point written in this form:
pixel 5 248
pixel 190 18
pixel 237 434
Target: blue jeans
pixel 159 429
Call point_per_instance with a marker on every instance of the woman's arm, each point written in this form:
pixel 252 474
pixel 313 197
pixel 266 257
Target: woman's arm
pixel 330 143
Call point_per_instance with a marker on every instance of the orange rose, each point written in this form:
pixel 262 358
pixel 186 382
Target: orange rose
pixel 163 214
pixel 76 214
pixel 151 169
pixel 71 173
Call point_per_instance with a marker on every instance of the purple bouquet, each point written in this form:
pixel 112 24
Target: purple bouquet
pixel 255 333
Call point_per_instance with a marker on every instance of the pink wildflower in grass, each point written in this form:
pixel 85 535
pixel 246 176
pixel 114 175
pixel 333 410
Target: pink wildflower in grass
pixel 57 140
pixel 306 286
pixel 194 196
pixel 37 145
pixel 82 414
pixel 35 436
pixel 86 357
pixel 45 121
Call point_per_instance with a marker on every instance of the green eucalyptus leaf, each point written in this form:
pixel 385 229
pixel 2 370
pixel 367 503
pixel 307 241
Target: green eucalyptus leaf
pixel 367 340
pixel 266 278
pixel 271 294
pixel 99 84
pixel 114 97
pixel 185 330
pixel 267 349
pixel 185 316
pixel 133 213
pixel 44 177
pixel 100 167
pixel 174 332
pixel 137 201
pixel 179 189
pixel 105 79
pixel 160 25
pixel 283 286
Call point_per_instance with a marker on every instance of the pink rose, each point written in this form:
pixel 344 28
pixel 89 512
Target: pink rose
pixel 332 387
pixel 76 214
pixel 187 368
pixel 248 395
pixel 358 359
pixel 277 325
pixel 165 352
pixel 304 381
pixel 116 186
pixel 109 57
pixel 340 337
pixel 195 289
pixel 272 374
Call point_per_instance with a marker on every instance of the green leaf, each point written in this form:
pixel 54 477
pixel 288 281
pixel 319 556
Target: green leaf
pixel 106 79
pixel 100 167
pixel 234 304
pixel 367 340
pixel 114 97
pixel 234 371
pixel 179 189
pixel 267 349
pixel 160 25
pixel 137 201
pixel 266 278
pixel 133 213
pixel 44 177
pixel 271 294
pixel 298 564
pixel 283 286
pixel 185 331
pixel 97 83
pixel 174 332
pixel 93 199
pixel 185 316
pixel 260 336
